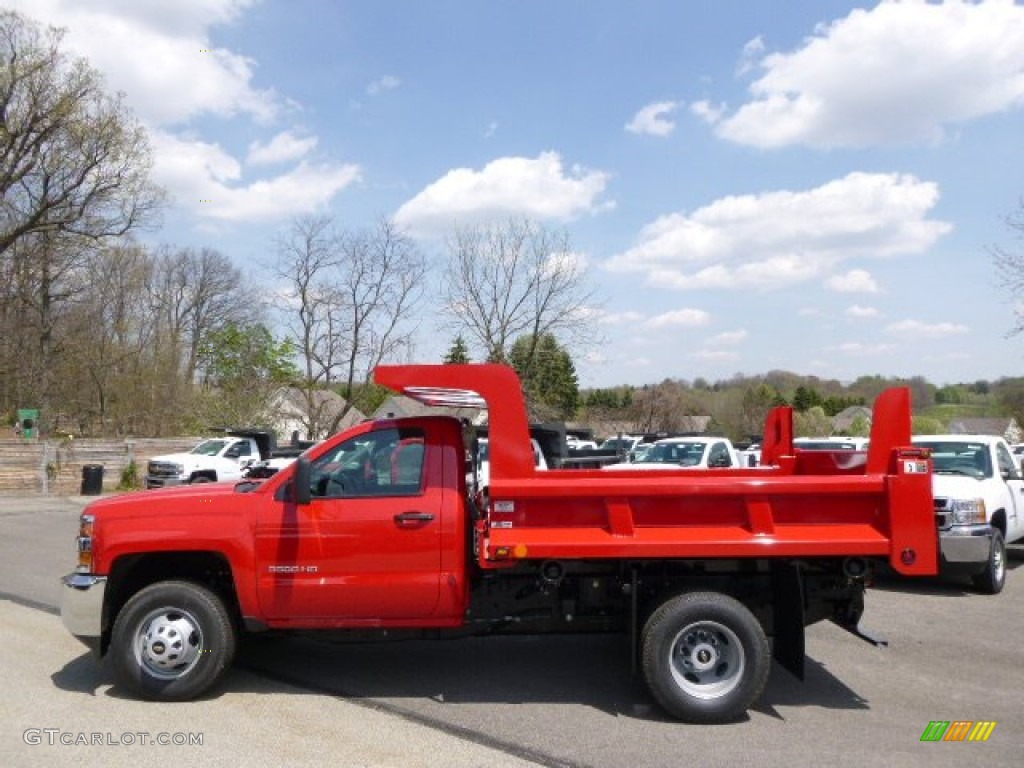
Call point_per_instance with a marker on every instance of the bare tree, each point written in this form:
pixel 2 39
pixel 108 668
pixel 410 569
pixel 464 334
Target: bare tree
pixel 74 173
pixel 349 300
pixel 72 159
pixel 513 280
pixel 1009 265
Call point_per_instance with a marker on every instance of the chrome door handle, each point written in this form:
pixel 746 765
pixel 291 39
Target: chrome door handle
pixel 414 517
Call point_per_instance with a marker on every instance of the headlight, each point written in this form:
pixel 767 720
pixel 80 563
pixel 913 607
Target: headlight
pixel 86 526
pixel 969 512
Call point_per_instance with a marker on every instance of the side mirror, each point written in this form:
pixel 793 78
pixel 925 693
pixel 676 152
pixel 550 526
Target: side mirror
pixel 301 481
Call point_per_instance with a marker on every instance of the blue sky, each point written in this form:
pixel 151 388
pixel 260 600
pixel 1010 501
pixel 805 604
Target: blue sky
pixel 748 185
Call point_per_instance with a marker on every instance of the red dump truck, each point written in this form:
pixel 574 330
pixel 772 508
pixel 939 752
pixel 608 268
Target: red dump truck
pixel 373 531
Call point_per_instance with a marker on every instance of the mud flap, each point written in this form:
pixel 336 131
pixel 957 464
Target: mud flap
pixel 788 617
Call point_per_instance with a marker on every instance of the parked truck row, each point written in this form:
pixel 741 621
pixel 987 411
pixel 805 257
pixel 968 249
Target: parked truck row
pixel 375 532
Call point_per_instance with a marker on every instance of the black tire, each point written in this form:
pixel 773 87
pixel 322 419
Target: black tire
pixel 991 580
pixel 172 641
pixel 705 657
pixel 200 479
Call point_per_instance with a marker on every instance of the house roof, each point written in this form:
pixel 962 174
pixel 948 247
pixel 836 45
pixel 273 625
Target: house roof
pixel 1003 427
pixel 290 403
pixel 400 406
pixel 844 419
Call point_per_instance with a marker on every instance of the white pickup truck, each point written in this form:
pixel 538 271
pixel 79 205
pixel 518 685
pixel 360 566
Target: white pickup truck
pixel 685 453
pixel 979 504
pixel 480 478
pixel 213 460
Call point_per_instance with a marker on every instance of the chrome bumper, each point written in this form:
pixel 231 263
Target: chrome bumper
pixel 967 544
pixel 81 605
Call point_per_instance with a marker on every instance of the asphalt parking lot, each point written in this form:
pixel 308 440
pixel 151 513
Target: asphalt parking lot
pixel 558 701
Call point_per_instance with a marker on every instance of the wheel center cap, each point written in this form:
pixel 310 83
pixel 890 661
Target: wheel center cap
pixel 703 657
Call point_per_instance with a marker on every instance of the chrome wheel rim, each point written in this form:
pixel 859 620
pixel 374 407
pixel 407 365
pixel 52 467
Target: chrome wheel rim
pixel 707 660
pixel 168 643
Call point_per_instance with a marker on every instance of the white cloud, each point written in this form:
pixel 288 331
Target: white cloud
pixel 752 50
pixel 896 74
pixel 160 56
pixel 619 318
pixel 653 120
pixel 776 239
pixel 207 181
pixel 715 355
pixel 685 318
pixel 854 281
pixel 859 349
pixel 707 111
pixel 284 147
pixel 729 338
pixel 538 188
pixel 381 84
pixel 916 329
pixel 861 312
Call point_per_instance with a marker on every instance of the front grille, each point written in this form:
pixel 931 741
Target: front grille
pixel 162 469
pixel 943 514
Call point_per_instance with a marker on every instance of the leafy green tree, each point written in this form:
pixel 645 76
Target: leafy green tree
pixel 926 425
pixel 458 354
pixel 859 427
pixel 812 423
pixel 241 369
pixel 757 401
pixel 548 375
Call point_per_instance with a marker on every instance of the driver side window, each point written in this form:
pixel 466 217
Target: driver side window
pixel 386 462
pixel 1006 463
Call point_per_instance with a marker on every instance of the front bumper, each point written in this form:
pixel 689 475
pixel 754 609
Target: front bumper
pixel 966 544
pixel 162 481
pixel 81 606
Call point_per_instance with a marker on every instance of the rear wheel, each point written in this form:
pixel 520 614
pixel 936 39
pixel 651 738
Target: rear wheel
pixel 172 641
pixel 705 657
pixel 991 580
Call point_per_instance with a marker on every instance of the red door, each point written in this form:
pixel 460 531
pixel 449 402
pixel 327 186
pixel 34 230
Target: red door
pixel 368 547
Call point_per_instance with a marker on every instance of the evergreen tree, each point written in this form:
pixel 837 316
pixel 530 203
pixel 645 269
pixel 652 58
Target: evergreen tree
pixel 550 381
pixel 458 354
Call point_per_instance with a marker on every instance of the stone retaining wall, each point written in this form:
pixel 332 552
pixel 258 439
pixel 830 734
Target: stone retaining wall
pixel 55 466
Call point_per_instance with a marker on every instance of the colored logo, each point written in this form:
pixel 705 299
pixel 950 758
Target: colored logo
pixel 958 730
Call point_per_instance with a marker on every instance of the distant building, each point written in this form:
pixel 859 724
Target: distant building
pixel 843 421
pixel 291 417
pixel 1007 428
pixel 400 407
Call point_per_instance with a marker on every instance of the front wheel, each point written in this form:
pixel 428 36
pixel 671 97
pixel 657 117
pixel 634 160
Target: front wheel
pixel 705 657
pixel 172 641
pixel 991 580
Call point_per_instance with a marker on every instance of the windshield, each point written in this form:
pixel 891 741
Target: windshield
pixel 617 444
pixel 686 454
pixel 209 447
pixel 959 458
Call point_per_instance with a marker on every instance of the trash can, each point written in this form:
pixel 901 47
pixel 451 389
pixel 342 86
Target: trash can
pixel 92 479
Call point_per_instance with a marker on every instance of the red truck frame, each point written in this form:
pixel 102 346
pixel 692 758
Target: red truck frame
pixel 374 530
